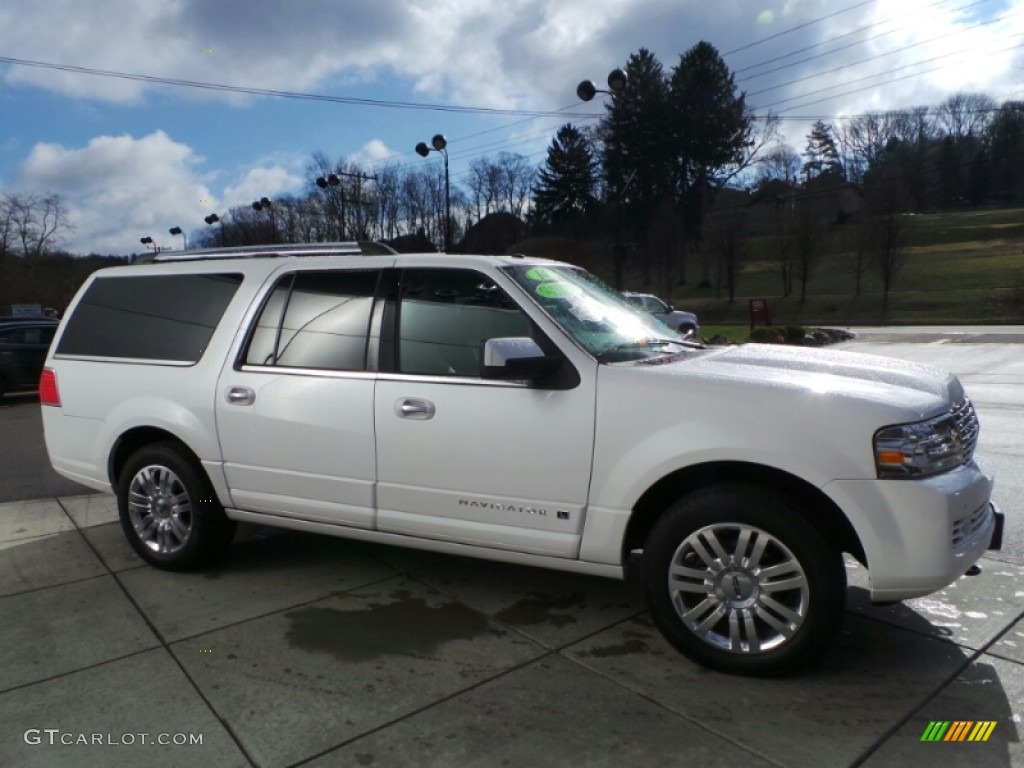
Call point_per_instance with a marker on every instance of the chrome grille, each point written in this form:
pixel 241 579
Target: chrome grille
pixel 967 426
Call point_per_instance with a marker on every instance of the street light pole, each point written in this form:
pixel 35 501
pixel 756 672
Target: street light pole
pixel 586 91
pixel 179 231
pixel 439 144
pixel 265 203
pixel 212 219
pixel 333 180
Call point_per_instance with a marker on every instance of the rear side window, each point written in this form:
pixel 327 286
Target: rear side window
pixel 170 318
pixel 30 334
pixel 316 320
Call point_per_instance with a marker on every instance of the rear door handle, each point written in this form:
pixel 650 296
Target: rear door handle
pixel 241 396
pixel 414 408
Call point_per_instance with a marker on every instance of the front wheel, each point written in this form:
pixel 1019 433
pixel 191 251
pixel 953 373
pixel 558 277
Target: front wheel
pixel 168 510
pixel 739 581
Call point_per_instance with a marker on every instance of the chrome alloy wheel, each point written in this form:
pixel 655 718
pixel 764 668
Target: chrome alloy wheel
pixel 160 509
pixel 738 588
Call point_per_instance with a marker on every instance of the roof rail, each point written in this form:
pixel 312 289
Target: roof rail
pixel 365 247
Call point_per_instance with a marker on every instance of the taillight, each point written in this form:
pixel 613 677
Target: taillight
pixel 48 394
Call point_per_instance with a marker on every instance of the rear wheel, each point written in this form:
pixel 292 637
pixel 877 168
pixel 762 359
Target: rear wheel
pixel 168 509
pixel 739 581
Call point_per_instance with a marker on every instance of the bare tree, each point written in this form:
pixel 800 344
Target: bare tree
pixel 485 184
pixel 889 200
pixel 724 239
pixel 780 163
pixel 809 229
pixel 858 250
pixel 517 177
pixel 6 226
pixel 964 114
pixel 34 224
pixel 782 239
pixel 387 200
pixel 862 140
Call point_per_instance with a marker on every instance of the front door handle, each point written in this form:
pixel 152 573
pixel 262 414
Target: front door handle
pixel 414 408
pixel 241 395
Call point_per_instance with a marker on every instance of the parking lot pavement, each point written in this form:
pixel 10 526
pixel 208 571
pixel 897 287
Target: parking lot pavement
pixel 317 651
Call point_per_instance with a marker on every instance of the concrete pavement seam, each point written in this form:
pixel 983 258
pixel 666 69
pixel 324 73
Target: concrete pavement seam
pixel 931 696
pixel 164 645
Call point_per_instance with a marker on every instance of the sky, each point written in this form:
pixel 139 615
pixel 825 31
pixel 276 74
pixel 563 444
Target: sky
pixel 132 157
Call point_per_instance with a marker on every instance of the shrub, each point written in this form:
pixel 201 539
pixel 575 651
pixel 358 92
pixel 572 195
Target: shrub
pixel 767 335
pixel 794 334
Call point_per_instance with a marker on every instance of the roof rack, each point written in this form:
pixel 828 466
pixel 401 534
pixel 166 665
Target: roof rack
pixel 364 247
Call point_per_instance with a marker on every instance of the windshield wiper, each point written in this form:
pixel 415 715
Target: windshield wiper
pixel 640 344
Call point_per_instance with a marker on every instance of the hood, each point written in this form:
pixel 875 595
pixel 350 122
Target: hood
pixel 921 389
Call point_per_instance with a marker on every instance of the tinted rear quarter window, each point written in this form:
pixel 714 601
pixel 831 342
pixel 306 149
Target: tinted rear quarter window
pixel 149 317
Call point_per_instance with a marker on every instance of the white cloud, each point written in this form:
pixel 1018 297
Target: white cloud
pixel 522 53
pixel 261 182
pixel 119 188
pixel 372 154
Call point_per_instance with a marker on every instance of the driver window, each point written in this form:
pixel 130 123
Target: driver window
pixel 446 315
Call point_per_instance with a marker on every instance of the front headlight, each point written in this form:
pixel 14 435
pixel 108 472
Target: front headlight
pixel 908 451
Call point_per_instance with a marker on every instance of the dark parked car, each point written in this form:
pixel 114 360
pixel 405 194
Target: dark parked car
pixel 24 342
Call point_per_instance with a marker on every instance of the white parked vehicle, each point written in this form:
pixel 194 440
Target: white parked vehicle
pixel 514 409
pixel 676 319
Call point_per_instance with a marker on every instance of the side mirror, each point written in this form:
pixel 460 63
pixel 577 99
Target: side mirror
pixel 516 358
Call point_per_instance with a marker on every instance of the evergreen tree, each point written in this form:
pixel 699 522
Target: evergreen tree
pixel 636 154
pixel 821 153
pixel 710 133
pixel 567 179
pixel 711 127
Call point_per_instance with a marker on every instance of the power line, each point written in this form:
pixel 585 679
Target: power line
pixel 840 37
pixel 876 85
pixel 350 100
pixel 797 27
pixel 869 58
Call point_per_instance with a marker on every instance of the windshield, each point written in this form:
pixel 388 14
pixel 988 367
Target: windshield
pixel 598 317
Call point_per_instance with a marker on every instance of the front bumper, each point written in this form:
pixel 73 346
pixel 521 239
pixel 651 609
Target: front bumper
pixel 921 535
pixel 996 542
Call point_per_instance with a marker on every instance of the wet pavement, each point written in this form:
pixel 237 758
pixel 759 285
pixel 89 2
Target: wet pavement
pixel 307 650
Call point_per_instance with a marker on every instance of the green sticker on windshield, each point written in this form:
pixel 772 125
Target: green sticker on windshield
pixel 540 274
pixel 558 290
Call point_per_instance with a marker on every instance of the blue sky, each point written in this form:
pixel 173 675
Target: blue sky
pixel 133 159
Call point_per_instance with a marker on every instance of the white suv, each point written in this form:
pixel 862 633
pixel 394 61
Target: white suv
pixel 514 409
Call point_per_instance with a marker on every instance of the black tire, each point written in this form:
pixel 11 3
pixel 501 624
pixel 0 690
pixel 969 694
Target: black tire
pixel 762 613
pixel 168 509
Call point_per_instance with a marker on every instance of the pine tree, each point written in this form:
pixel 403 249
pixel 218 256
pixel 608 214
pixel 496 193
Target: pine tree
pixel 567 179
pixel 821 153
pixel 710 133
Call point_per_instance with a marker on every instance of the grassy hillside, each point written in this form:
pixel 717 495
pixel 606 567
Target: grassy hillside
pixel 961 267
